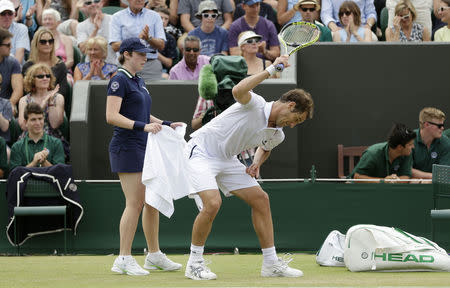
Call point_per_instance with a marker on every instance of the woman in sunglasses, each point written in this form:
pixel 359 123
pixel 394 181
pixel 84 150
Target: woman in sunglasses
pixel 249 42
pixel 404 28
pixel 443 34
pixel 43 51
pixel 96 68
pixel 350 19
pixel 39 83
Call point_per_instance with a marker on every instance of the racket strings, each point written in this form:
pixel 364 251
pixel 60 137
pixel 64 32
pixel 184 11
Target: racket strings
pixel 297 35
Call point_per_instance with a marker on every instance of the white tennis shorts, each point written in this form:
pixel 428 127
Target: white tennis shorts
pixel 209 173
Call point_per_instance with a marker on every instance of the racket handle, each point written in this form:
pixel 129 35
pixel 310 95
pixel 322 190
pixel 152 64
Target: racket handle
pixel 279 67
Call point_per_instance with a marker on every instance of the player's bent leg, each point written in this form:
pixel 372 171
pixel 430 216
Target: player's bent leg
pixel 258 200
pixel 196 267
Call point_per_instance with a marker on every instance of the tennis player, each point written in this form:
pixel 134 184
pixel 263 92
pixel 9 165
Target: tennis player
pixel 249 123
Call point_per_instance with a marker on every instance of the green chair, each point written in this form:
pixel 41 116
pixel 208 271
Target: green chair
pixel 384 18
pixel 14 131
pixel 111 9
pixel 441 190
pixel 78 57
pixel 39 189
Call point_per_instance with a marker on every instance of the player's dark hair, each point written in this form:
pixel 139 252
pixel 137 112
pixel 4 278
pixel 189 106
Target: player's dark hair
pixel 400 135
pixel 303 101
pixel 32 108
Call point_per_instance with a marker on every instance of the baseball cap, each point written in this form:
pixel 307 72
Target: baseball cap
pixel 206 6
pixel 307 2
pixel 247 35
pixel 134 44
pixel 6 5
pixel 251 2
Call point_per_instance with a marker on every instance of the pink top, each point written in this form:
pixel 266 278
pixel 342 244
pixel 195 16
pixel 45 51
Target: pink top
pixel 182 72
pixel 61 51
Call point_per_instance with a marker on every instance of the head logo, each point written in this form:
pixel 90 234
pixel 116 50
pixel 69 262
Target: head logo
pixel 364 255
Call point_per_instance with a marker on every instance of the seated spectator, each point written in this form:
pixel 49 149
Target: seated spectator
pixel 20 42
pixel 431 146
pixel 388 160
pixel 138 21
pixel 331 18
pixel 12 80
pixel 37 148
pixel 26 14
pixel 152 4
pixel 3 159
pixel 443 33
pixel 187 9
pixel 422 10
pixel 39 83
pixel 169 55
pixel 287 12
pixel 265 11
pixel 249 41
pixel 309 9
pixel 63 44
pixel 189 67
pixel 350 19
pixel 405 29
pixel 269 47
pixel 6 114
pixel 43 51
pixel 97 24
pixel 200 110
pixel 214 39
pixel 96 68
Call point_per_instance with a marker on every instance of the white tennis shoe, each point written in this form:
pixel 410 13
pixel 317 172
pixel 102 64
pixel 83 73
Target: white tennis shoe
pixel 197 270
pixel 161 262
pixel 280 268
pixel 128 266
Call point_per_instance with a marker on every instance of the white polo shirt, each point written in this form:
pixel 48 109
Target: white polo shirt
pixel 238 128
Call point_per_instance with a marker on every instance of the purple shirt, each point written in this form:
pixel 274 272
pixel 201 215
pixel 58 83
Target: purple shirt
pixel 182 72
pixel 264 27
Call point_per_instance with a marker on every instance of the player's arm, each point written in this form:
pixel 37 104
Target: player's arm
pixel 261 156
pixel 241 92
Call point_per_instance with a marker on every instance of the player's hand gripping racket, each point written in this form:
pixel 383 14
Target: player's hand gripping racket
pixel 297 35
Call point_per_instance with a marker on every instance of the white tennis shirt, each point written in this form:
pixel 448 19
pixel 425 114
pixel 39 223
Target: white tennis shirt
pixel 238 128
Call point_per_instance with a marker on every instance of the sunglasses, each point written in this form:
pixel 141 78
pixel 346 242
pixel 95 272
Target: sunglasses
pixel 442 9
pixel 6 45
pixel 440 126
pixel 252 41
pixel 88 3
pixel 308 9
pixel 207 15
pixel 7 13
pixel 41 76
pixel 347 13
pixel 45 41
pixel 189 49
pixel 405 17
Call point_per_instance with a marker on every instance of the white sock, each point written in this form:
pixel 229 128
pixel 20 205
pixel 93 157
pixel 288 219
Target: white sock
pixel 153 255
pixel 196 253
pixel 270 255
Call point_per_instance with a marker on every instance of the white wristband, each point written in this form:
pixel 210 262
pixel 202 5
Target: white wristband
pixel 272 70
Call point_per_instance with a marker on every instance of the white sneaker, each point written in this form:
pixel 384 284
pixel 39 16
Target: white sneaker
pixel 161 262
pixel 128 266
pixel 197 270
pixel 280 268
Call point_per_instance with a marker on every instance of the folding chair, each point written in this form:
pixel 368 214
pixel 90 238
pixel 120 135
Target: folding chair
pixel 352 153
pixel 441 189
pixel 39 189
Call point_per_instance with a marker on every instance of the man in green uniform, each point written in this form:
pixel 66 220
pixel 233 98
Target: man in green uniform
pixel 431 146
pixel 37 148
pixel 388 160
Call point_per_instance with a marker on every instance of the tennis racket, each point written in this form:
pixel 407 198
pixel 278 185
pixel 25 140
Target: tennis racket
pixel 297 35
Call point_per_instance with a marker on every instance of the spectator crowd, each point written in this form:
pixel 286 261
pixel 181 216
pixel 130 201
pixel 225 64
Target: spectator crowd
pixel 48 45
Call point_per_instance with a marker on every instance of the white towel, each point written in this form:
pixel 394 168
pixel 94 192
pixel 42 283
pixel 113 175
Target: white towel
pixel 166 170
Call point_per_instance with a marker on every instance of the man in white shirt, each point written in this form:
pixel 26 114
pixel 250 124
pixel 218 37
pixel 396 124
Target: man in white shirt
pixel 249 123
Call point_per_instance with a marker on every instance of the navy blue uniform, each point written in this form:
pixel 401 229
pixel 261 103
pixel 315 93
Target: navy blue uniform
pixel 127 147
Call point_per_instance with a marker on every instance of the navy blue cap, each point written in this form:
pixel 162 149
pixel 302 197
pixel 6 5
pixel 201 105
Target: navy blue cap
pixel 251 2
pixel 134 44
